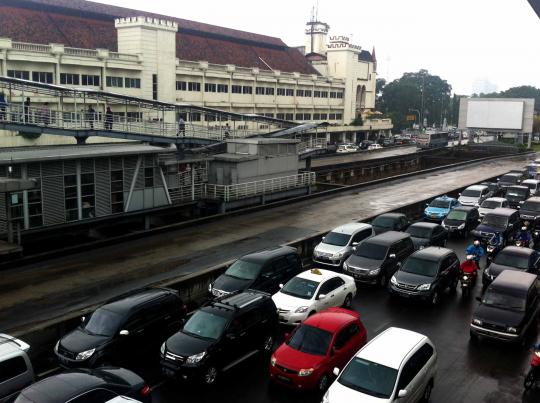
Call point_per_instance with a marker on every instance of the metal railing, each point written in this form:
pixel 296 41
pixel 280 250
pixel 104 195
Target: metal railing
pixel 249 189
pixel 87 120
pixel 310 145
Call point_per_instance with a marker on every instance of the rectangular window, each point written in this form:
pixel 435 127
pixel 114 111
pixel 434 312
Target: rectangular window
pixel 42 77
pixel 339 95
pixel 88 195
pixel 209 118
pixel 307 93
pixel 307 116
pixel 148 177
pixel 90 80
pixel 134 116
pixel 316 116
pixel 223 88
pixel 194 87
pixel 317 94
pixel 117 191
pixel 12 368
pixel 70 198
pixel 289 92
pixel 268 115
pixel 155 87
pixel 281 92
pixel 133 82
pixel 195 117
pixel 69 79
pixel 280 116
pixel 339 116
pixel 209 87
pixel 17 210
pixel 236 89
pixel 299 116
pixel 299 93
pixel 332 116
pixel 115 81
pixel 324 116
pixel 259 90
pixel 35 214
pixel 289 116
pixel 269 91
pixel 333 94
pixel 324 94
pixel 23 75
pixel 181 86
pixel 246 89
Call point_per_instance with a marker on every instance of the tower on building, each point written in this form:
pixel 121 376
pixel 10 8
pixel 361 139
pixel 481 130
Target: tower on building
pixel 316 33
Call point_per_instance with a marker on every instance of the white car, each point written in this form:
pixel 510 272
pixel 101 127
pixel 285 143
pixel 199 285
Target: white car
pixel 533 184
pixel 313 291
pixel 397 365
pixel 123 399
pixel 474 195
pixel 492 203
pixel 336 246
pixel 347 148
pixel 372 147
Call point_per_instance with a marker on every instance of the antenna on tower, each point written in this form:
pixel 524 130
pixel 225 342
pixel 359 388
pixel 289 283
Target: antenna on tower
pixel 317 11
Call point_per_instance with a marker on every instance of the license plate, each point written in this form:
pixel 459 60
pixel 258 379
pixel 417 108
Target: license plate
pixel 283 378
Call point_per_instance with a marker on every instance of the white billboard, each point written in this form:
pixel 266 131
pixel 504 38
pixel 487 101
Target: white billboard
pixel 503 115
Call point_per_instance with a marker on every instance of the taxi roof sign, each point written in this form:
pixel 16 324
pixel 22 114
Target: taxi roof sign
pixel 316 271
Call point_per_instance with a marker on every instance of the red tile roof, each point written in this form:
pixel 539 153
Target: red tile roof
pixel 85 24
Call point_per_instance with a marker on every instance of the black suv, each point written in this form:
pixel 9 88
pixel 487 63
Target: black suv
pixel 461 220
pixel 220 335
pixel 390 222
pixel 530 211
pixel 264 271
pixel 500 220
pixel 424 234
pixel 512 258
pixel 507 309
pixel 118 329
pixel 426 274
pixel 376 259
pixel 516 195
pixel 510 179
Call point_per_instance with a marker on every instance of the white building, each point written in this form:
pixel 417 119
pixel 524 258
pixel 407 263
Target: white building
pixel 91 45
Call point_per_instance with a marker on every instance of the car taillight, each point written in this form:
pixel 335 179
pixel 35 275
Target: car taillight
pixel 145 391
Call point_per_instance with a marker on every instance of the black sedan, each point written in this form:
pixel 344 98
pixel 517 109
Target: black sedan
pixel 461 220
pixel 390 222
pixel 424 234
pixel 87 386
pixel 512 258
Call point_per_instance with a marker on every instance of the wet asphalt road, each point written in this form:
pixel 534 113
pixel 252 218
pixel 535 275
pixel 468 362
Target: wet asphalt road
pixel 488 372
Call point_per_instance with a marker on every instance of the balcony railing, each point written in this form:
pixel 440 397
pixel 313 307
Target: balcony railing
pixel 80 52
pixel 31 47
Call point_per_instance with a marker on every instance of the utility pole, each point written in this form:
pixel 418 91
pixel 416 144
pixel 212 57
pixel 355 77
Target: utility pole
pixel 422 104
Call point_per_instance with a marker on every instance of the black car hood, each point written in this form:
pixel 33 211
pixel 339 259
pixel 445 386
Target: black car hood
pixel 498 316
pixel 230 284
pixel 413 279
pixel 420 241
pixel 185 345
pixel 453 223
pixel 496 269
pixel 78 341
pixel 487 228
pixel 532 213
pixel 380 230
pixel 364 263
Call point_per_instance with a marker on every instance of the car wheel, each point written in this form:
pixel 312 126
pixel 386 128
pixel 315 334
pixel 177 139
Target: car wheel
pixel 383 280
pixel 322 385
pixel 268 343
pixel 434 297
pixel 348 301
pixel 210 375
pixel 473 338
pixel 427 392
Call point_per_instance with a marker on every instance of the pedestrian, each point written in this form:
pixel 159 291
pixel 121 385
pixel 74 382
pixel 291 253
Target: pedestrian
pixel 26 109
pixel 3 106
pixel 44 114
pixel 227 131
pixel 91 116
pixel 108 118
pixel 181 127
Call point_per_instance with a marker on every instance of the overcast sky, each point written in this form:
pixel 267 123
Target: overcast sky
pixel 476 45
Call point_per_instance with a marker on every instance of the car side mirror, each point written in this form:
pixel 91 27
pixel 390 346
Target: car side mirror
pixel 459 194
pixel 322 296
pixel 323 238
pixel 336 371
pixel 354 248
pixel 402 393
pixel 83 319
pixel 124 332
pixel 355 244
pixel 498 179
pixel 392 256
pixel 280 286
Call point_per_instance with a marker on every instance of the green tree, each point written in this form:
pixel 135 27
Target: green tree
pixel 536 124
pixel 420 91
pixel 523 91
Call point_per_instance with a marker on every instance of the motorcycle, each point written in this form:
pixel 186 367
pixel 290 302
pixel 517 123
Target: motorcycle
pixel 468 281
pixel 522 243
pixel 492 248
pixel 533 376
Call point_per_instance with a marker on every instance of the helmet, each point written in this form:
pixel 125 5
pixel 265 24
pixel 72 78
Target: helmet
pixel 476 242
pixel 524 228
pixel 470 257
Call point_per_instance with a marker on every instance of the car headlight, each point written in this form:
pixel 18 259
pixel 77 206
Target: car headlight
pixel 325 398
pixel 477 322
pixel 424 287
pixel 345 266
pixel 338 255
pixel 56 346
pixel 305 372
pixel 393 280
pixel 315 253
pixel 85 355
pixel 194 359
pixel 374 272
pixel 301 309
pixel 521 202
pixel 462 226
pixel 162 349
pixel 465 278
pixel 273 360
pixel 511 329
pixel 210 287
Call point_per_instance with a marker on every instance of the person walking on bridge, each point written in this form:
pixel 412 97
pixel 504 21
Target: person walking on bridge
pixel 26 110
pixel 91 116
pixel 181 127
pixel 3 106
pixel 108 118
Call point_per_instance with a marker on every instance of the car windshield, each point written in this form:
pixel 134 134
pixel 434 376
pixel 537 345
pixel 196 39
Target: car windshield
pixel 516 192
pixel 496 221
pixel 244 270
pixel 384 222
pixel 420 266
pixel 310 340
pixel 337 239
pixel 369 378
pixel 496 298
pixel 371 251
pixel 512 260
pixel 471 193
pixel 509 179
pixel 493 187
pixel 457 215
pixel 205 325
pixel 419 232
pixel 103 323
pixel 531 206
pixel 531 186
pixel 300 288
pixel 491 204
pixel 439 203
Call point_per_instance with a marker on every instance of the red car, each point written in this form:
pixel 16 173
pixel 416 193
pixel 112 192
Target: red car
pixel 323 341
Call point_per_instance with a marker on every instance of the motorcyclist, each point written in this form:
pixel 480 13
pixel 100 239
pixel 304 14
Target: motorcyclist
pixel 524 236
pixel 469 266
pixel 477 251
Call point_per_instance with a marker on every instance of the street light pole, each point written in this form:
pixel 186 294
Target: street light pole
pixel 422 105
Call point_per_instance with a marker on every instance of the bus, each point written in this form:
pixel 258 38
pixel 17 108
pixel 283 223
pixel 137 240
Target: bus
pixel 432 140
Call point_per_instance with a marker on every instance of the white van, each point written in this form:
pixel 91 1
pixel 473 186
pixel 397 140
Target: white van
pixel 397 364
pixel 16 370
